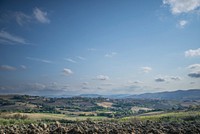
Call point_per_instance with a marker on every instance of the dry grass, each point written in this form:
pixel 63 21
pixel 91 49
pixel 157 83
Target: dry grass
pixel 48 116
pixel 105 104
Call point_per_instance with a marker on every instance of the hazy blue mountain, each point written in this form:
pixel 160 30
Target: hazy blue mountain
pixel 191 94
pixel 113 96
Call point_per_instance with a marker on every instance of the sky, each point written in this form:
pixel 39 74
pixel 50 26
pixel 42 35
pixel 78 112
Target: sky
pixel 72 47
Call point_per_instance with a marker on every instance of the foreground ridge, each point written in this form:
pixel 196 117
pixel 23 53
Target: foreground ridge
pixel 101 127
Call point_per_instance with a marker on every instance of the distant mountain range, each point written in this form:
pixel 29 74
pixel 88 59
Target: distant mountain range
pixel 192 94
pixel 118 96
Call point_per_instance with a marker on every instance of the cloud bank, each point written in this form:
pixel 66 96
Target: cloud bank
pixel 192 52
pixel 182 6
pixel 195 71
pixel 194 74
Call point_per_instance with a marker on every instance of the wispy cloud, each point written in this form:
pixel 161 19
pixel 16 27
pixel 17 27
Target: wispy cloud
pixel 85 83
pixel 70 60
pixel 107 84
pixel 146 69
pixel 182 6
pixel 81 58
pixel 110 55
pixel 67 71
pixel 91 49
pixel 175 78
pixel 10 39
pixel 102 77
pixel 192 52
pixel 39 60
pixel 182 23
pixel 135 82
pixel 38 86
pixel 23 67
pixel 167 78
pixel 40 15
pixel 22 18
pixel 7 68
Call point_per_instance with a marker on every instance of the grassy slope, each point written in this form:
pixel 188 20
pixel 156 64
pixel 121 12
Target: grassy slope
pixel 171 116
pixel 10 118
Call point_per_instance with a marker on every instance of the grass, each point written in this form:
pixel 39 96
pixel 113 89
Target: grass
pixel 42 116
pixel 27 118
pixel 168 117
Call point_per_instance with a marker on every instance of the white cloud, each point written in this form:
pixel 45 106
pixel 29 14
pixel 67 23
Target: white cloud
pixel 110 55
pixel 7 38
pixel 182 23
pixel 70 60
pixel 7 68
pixel 40 15
pixel 146 69
pixel 182 6
pixel 192 52
pixel 40 60
pixel 67 71
pixel 102 77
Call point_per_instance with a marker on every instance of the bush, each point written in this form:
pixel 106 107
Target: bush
pixel 20 116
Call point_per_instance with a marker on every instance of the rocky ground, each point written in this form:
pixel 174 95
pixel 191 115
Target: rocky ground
pixel 89 127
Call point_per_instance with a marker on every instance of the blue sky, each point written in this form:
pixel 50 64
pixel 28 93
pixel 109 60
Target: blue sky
pixel 105 47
